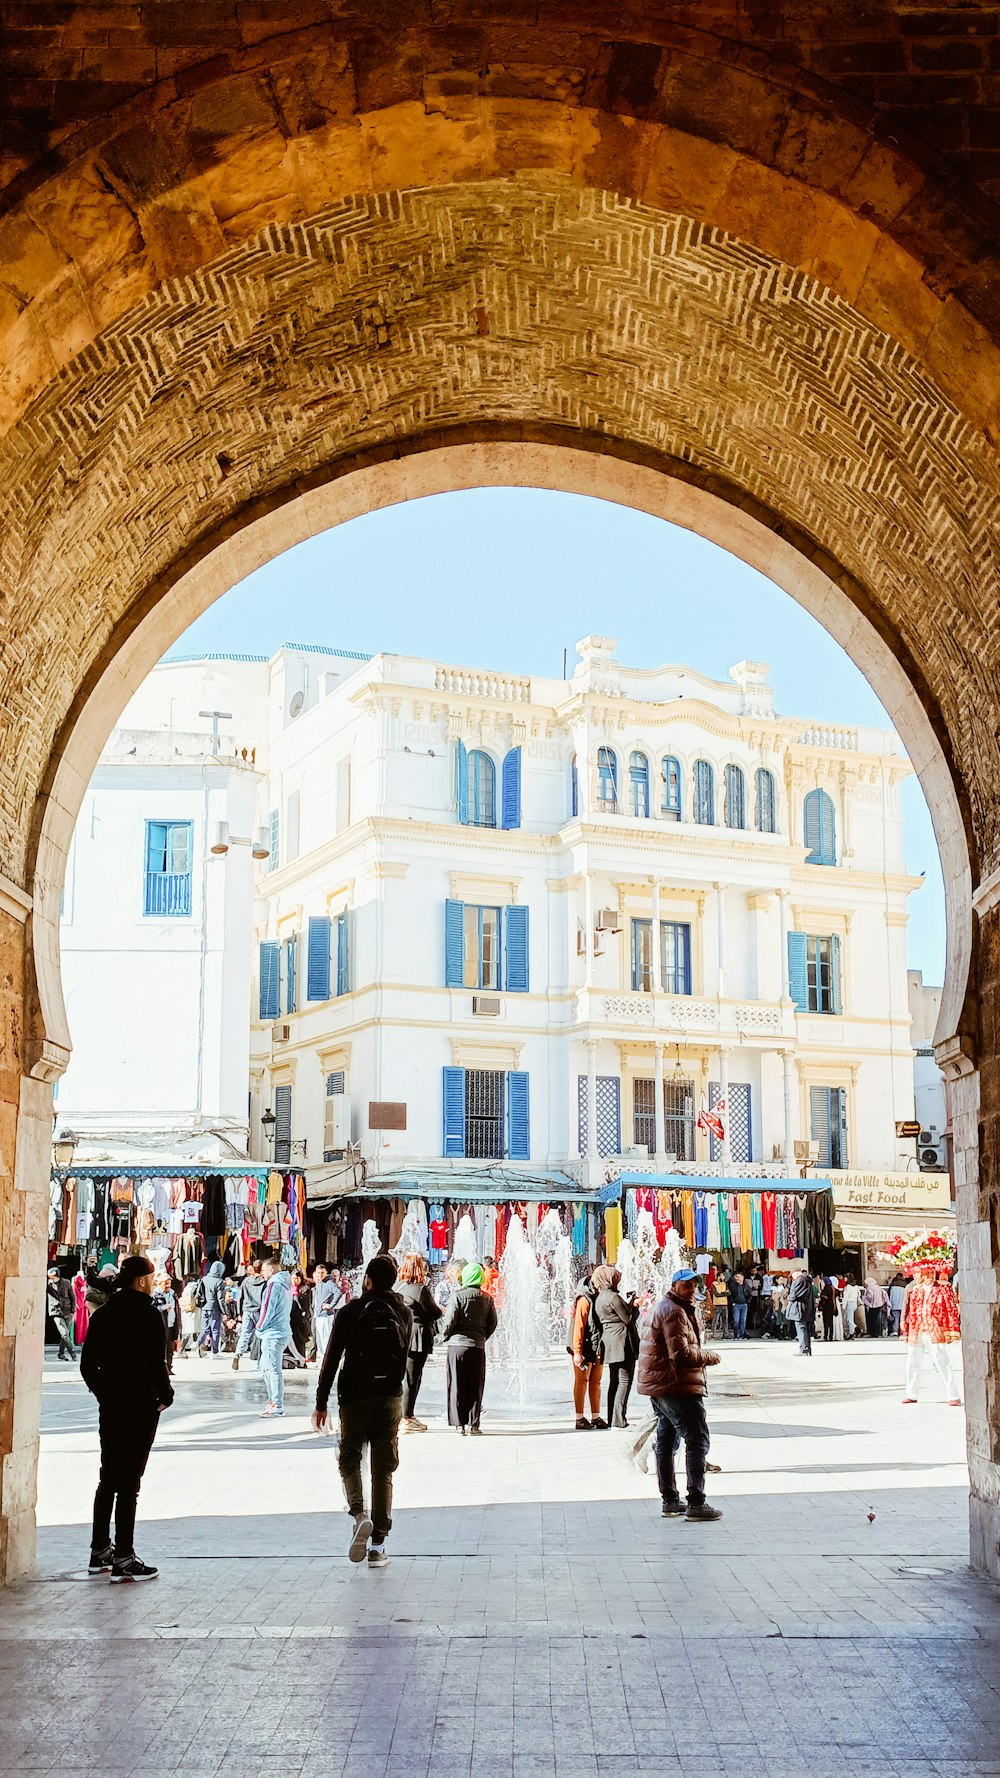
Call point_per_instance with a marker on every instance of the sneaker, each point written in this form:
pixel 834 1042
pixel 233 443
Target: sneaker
pixel 101 1560
pixel 713 1469
pixel 377 1557
pixel 673 1509
pixel 476 1432
pixel 909 1401
pixel 582 1423
pixel 270 1412
pixel 363 1529
pixel 236 1362
pixel 598 1425
pixel 129 1569
pixel 702 1514
pixel 417 1425
pixel 954 1403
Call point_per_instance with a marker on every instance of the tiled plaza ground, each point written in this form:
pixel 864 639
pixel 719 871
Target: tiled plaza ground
pixel 538 1619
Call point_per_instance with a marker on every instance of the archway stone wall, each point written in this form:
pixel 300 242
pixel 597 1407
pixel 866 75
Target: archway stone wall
pixel 239 270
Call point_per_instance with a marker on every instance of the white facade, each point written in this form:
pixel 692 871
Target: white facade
pixel 371 795
pixel 157 961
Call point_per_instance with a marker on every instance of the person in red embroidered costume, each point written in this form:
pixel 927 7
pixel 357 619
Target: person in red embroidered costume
pixel 930 1325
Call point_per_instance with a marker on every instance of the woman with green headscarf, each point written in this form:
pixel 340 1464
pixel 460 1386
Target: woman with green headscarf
pixel 470 1321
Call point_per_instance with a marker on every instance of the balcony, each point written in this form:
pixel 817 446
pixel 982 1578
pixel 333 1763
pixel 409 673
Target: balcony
pixel 168 895
pixel 681 1015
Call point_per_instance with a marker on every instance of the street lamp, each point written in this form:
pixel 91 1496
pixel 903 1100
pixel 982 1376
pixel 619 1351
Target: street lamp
pixel 267 1123
pixel 64 1148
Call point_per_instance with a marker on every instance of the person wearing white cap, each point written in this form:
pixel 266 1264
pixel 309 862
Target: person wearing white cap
pixel 672 1365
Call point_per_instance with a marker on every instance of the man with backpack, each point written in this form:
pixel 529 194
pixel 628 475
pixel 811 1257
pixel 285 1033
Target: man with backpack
pixel 368 1346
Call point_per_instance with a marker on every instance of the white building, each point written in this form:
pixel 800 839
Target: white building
pixel 455 928
pixel 157 929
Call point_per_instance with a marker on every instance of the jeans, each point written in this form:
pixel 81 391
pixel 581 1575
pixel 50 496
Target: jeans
pixel 65 1336
pixel 739 1321
pixel 803 1333
pixel 126 1441
pixel 619 1386
pixel 411 1387
pixel 248 1328
pixel 272 1346
pixel 895 1316
pixel 213 1329
pixel 681 1417
pixel 372 1421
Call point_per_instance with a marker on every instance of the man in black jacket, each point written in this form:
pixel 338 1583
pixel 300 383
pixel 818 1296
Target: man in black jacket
pixel 369 1346
pixel 802 1311
pixel 124 1363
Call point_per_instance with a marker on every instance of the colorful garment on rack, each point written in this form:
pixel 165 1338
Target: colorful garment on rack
pixel 612 1232
pixel 769 1220
pixel 746 1233
pixel 756 1222
pixel 701 1219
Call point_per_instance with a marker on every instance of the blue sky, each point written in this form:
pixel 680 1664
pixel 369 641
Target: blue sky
pixel 508 578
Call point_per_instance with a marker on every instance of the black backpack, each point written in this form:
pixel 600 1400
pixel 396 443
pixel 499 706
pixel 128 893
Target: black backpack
pixel 200 1295
pixel 379 1347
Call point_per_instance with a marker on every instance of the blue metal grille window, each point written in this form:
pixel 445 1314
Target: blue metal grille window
pixel 482 790
pixel 766 800
pixel 484 1114
pixel 828 1124
pixel 607 781
pixel 168 869
pixel 670 772
pixel 740 1131
pixel 819 828
pixel 704 793
pixel 609 1122
pixel 736 797
pixel 638 773
pixel 678 1117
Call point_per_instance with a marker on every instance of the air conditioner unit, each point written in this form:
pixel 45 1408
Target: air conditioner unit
pixel 485 1006
pixel 927 1138
pixel 806 1152
pixel 581 943
pixel 640 1150
pixel 608 920
pixel 932 1159
pixel 281 1033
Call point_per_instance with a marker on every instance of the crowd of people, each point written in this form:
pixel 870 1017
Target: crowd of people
pixel 374 1343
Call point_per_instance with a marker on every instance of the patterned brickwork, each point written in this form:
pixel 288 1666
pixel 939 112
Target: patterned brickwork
pixel 522 303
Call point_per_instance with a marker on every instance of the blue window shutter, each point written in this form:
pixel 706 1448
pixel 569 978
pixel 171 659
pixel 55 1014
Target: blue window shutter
pixel 819 828
pixel 518 1137
pixel 343 953
pixel 835 991
pixel 516 950
pixel 574 787
pixel 798 977
pixel 704 793
pixel 454 1111
pixel 318 958
pixel 282 1124
pixel 454 944
pixel 270 973
pixel 510 789
pixel 462 783
pixel 291 946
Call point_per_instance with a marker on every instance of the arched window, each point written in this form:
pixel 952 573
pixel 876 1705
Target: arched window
pixel 638 772
pixel 574 787
pixel 820 828
pixel 704 792
pixel 766 801
pixel 482 790
pixel 736 797
pixel 607 781
pixel 670 771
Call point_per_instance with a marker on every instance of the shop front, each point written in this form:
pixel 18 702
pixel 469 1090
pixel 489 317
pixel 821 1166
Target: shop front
pixel 873 1209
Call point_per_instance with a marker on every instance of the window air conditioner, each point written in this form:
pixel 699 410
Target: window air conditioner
pixel 640 1150
pixel 581 944
pixel 608 920
pixel 805 1152
pixel 281 1033
pixel 485 1006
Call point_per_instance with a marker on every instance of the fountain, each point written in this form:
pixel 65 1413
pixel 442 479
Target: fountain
pixel 371 1244
pixel 412 1235
pixel 521 1333
pixel 464 1252
pixel 561 1293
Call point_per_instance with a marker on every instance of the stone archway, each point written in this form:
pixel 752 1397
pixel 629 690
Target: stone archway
pixel 286 268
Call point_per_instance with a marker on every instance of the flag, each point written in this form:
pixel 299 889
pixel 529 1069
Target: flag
pixel 710 1122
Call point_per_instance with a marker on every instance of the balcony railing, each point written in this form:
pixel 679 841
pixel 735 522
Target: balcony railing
pixel 168 894
pixel 684 1013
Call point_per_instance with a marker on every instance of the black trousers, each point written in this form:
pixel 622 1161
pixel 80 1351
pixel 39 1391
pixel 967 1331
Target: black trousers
pixel 466 1382
pixel 827 1315
pixel 127 1436
pixel 411 1387
pixel 681 1417
pixel 619 1387
pixel 372 1421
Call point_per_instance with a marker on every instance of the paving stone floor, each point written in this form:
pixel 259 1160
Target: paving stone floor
pixel 538 1618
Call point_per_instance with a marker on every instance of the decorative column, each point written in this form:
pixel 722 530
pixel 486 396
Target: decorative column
pixel 788 1065
pixel 725 1154
pixel 786 992
pixel 661 1140
pixel 588 929
pixel 720 908
pixel 591 1048
pixel 657 975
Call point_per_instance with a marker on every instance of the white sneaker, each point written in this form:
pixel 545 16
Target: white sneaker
pixel 363 1529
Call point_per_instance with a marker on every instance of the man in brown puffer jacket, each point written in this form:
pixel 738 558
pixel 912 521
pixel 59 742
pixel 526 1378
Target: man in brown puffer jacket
pixel 672 1364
